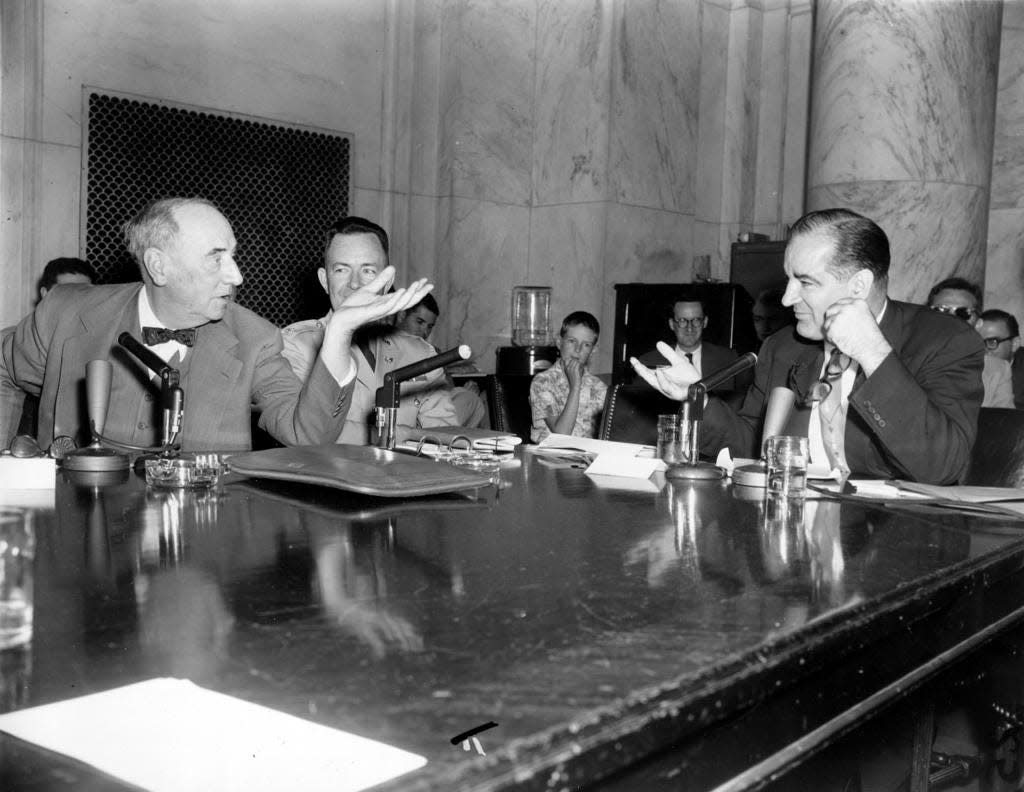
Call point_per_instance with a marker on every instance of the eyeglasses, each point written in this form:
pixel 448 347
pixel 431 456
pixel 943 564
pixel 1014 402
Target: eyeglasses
pixel 960 312
pixel 993 343
pixel 690 324
pixel 838 362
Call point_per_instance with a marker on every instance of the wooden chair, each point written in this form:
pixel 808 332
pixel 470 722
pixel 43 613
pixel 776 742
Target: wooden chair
pixel 509 403
pixel 997 459
pixel 631 413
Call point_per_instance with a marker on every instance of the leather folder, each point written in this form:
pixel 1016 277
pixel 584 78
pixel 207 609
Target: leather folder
pixel 364 469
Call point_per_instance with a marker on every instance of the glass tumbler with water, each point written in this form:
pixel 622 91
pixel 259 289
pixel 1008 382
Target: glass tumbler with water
pixel 786 458
pixel 671 439
pixel 17 552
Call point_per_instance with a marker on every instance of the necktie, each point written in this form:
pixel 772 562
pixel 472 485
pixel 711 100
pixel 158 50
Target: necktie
pixel 689 356
pixel 151 336
pixel 367 350
pixel 833 422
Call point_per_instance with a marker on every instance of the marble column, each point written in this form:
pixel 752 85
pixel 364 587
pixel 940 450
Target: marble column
pixel 902 116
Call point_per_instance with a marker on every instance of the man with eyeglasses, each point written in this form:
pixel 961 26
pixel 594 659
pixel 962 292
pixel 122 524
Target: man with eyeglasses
pixel 1001 334
pixel 882 388
pixel 688 322
pixel 355 252
pixel 961 298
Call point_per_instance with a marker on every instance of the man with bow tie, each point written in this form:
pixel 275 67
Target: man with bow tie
pixel 229 358
pixel 881 388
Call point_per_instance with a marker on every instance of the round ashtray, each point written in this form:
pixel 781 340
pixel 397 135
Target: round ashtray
pixel 194 471
pixel 479 462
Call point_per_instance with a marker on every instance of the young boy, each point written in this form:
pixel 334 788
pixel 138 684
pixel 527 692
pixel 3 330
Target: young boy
pixel 566 398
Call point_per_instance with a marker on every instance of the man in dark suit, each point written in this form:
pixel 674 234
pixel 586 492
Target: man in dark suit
pixel 230 359
pixel 688 322
pixel 881 388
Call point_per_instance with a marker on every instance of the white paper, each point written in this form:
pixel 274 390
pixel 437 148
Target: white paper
pixel 590 445
pixel 170 735
pixel 629 467
pixel 23 474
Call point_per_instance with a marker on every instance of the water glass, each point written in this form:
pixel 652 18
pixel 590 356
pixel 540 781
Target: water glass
pixel 670 440
pixel 17 552
pixel 786 459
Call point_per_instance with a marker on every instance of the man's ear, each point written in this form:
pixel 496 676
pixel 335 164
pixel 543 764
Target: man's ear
pixel 155 263
pixel 321 275
pixel 861 283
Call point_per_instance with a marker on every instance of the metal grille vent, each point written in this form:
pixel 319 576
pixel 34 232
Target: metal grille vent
pixel 279 186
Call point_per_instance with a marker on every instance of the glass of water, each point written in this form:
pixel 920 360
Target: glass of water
pixel 786 459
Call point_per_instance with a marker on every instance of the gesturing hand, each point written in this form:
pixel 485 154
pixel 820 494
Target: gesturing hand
pixel 370 303
pixel 674 381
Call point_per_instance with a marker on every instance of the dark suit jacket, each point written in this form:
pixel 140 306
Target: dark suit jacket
pixel 713 358
pixel 915 418
pixel 235 366
pixel 1017 372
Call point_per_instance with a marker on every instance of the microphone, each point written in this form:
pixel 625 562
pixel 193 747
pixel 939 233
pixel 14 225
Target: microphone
pixel 741 364
pixel 387 397
pixel 95 458
pixel 387 394
pixel 171 395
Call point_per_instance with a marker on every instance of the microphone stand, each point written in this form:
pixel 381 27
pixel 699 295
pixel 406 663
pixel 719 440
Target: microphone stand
pixel 691 414
pixel 172 397
pixel 389 394
pixel 95 458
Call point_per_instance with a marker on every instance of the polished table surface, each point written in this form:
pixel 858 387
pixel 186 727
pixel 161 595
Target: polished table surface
pixel 600 627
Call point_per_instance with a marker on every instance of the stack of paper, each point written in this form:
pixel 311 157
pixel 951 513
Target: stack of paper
pixel 169 734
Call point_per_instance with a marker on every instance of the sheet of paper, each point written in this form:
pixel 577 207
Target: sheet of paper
pixel 24 474
pixel 170 735
pixel 590 445
pixel 628 467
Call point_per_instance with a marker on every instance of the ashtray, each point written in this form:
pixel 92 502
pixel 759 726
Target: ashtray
pixel 189 471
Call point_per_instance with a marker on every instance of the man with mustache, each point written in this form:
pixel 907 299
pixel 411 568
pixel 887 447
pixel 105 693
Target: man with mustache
pixel 229 358
pixel 881 388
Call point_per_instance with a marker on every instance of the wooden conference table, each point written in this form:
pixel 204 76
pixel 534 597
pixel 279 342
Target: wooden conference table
pixel 619 638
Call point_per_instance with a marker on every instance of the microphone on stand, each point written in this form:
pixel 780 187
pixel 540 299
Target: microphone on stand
pixel 172 397
pixel 691 413
pixel 389 394
pixel 95 458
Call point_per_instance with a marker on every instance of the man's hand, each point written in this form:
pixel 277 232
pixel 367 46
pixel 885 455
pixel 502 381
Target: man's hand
pixel 370 303
pixel 674 381
pixel 852 327
pixel 574 373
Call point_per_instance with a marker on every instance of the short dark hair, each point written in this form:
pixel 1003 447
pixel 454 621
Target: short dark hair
pixel 995 315
pixel 429 303
pixel 687 295
pixel 859 242
pixel 576 318
pixel 957 284
pixel 64 266
pixel 346 226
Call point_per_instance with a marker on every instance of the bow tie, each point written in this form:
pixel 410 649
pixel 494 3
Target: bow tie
pixel 151 336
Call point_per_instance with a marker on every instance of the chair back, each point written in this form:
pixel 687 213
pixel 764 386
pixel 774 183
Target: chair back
pixel 997 459
pixel 509 399
pixel 631 413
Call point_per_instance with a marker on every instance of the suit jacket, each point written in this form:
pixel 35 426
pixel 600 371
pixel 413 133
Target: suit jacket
pixel 1017 373
pixel 916 416
pixel 235 367
pixel 425 401
pixel 713 358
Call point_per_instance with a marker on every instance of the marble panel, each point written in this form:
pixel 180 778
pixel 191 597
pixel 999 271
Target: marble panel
pixel 1004 275
pixel 903 91
pixel 571 107
pixel 1008 152
pixel 423 98
pixel 483 253
pixel 567 254
pixel 771 125
pixel 17 158
pixel 487 75
pixel 654 110
pixel 715 240
pixel 935 230
pixel 316 63
pixel 794 172
pixel 642 246
pixel 715 82
pixel 60 185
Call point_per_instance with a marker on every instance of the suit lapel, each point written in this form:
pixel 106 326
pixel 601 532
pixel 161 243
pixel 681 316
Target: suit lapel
pixel 213 367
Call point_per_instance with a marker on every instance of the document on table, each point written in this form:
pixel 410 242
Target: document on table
pixel 170 735
pixel 556 444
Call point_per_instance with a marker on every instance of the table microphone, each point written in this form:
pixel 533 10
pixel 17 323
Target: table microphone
pixel 716 378
pixel 172 397
pixel 389 394
pixel 94 458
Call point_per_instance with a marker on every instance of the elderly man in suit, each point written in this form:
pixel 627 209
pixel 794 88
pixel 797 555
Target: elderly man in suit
pixel 688 321
pixel 880 387
pixel 229 358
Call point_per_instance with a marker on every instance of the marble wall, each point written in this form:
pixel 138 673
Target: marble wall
pixel 902 117
pixel 1004 275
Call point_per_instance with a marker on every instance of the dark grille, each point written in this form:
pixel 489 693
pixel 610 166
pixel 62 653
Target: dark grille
pixel 279 186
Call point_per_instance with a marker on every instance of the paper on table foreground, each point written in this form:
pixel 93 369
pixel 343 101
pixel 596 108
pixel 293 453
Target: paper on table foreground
pixel 559 443
pixel 170 735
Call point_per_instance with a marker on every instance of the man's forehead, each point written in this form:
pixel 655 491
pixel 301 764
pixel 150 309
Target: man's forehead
pixel 355 249
pixel 424 313
pixel 994 326
pixel 808 254
pixel 957 298
pixel 204 225
pixel 687 308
